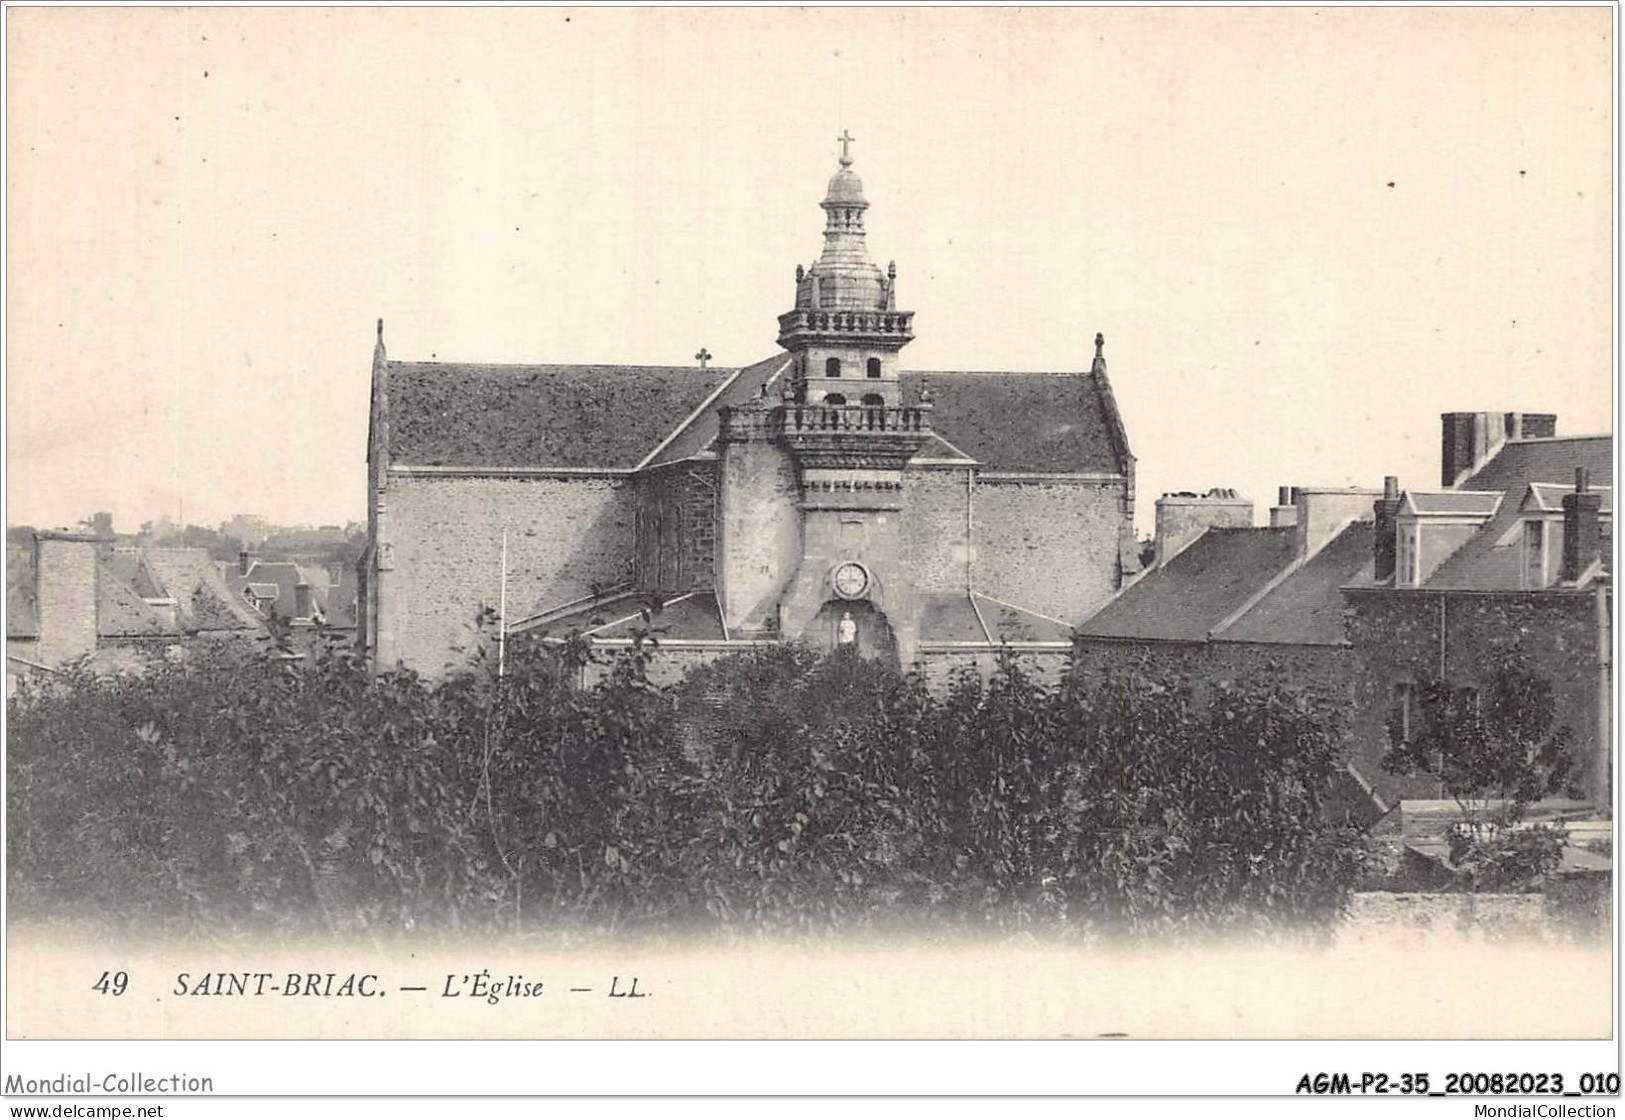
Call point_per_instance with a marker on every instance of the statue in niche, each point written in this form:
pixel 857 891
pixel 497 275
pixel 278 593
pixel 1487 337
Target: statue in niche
pixel 846 631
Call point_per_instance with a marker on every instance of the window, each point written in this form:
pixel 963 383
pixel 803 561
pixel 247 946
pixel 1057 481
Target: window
pixel 874 400
pixel 1405 710
pixel 874 367
pixel 834 399
pixel 832 367
pixel 1407 556
pixel 1534 554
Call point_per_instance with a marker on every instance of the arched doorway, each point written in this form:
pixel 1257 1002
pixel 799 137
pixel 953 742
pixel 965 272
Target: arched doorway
pixel 856 626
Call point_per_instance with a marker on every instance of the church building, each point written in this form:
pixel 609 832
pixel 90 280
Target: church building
pixel 824 494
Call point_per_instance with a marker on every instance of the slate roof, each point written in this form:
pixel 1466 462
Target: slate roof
pixel 22 621
pixel 1009 623
pixel 447 414
pixel 277 580
pixel 700 432
pixel 1548 496
pixel 598 416
pixel 1306 607
pixel 1048 422
pixel 205 602
pixel 129 566
pixel 689 617
pixel 1470 503
pixel 1491 559
pixel 121 612
pixel 1545 460
pixel 949 618
pixel 1198 588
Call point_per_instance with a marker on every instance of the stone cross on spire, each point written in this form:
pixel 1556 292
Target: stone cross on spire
pixel 846 139
pixel 702 356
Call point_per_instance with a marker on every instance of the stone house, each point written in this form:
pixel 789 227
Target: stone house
pixel 77 595
pixel 824 494
pixel 1230 602
pixel 1511 556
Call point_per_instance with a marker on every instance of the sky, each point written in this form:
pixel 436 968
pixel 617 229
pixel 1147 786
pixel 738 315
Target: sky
pixel 1304 232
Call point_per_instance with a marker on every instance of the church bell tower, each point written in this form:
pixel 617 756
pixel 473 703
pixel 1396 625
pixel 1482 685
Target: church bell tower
pixel 845 331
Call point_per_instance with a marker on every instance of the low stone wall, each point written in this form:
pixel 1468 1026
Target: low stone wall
pixel 1387 917
pixel 939 666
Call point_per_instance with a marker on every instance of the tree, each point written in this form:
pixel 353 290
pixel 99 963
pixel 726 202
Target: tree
pixel 1496 750
pixel 100 524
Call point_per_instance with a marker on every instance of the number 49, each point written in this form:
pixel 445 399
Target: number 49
pixel 111 984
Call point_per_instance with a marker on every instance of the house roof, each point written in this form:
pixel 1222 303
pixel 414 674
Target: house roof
pixel 1545 460
pixel 1048 422
pixel 122 612
pixel 1306 607
pixel 22 620
pixel 1198 588
pixel 277 580
pixel 570 416
pixel 1491 559
pixel 1475 503
pixel 1547 497
pixel 204 600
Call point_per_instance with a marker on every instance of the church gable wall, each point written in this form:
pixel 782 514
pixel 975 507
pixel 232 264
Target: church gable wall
pixel 565 535
pixel 1049 545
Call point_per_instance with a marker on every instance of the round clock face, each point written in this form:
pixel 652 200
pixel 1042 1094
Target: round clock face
pixel 851 580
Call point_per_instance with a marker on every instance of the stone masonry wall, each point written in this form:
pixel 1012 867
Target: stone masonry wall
pixel 65 568
pixel 676 528
pixel 1050 546
pixel 445 536
pixel 1317 672
pixel 1181 520
pixel 1397 639
pixel 934 525
pixel 939 667
pixel 760 530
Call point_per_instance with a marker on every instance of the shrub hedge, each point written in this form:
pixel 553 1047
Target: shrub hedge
pixel 235 793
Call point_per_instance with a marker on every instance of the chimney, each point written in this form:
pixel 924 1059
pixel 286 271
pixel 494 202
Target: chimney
pixel 65 575
pixel 1470 439
pixel 1324 512
pixel 1384 513
pixel 301 600
pixel 242 562
pixel 1183 517
pixel 1582 542
pixel 1284 513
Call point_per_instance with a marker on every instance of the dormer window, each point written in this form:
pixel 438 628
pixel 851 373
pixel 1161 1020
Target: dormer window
pixel 1407 559
pixel 1534 554
pixel 832 367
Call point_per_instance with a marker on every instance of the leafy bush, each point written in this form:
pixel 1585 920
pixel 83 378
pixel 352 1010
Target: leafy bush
pixel 1496 751
pixel 781 789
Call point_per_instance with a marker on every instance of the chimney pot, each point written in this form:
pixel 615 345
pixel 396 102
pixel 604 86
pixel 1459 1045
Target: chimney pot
pixel 1390 486
pixel 1582 480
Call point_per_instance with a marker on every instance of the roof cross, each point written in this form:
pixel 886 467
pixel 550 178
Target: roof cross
pixel 846 139
pixel 702 356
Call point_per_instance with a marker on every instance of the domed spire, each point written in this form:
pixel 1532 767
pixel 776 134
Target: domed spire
pixel 845 188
